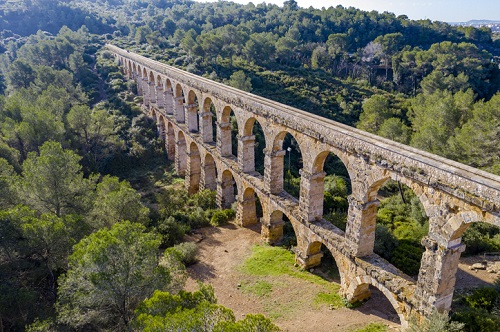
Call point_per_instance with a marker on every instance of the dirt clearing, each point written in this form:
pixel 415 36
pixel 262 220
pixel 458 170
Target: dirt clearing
pixel 292 303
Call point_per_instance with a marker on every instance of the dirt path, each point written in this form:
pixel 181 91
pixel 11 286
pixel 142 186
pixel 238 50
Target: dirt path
pixel 223 249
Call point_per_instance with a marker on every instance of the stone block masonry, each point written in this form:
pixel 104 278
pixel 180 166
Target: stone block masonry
pixel 453 195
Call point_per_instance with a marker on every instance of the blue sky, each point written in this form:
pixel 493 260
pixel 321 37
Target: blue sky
pixel 442 10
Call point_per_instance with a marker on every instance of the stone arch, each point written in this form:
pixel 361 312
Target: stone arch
pixel 361 221
pixel 226 137
pixel 160 95
pixel 458 224
pixel 319 161
pixel 274 176
pixel 192 112
pixel 154 116
pixel 169 97
pixel 138 80
pixel 134 68
pixel 209 173
pixel 273 226
pixel 227 189
pixel 206 121
pixel 313 184
pixel 131 73
pixel 170 141
pixel 375 183
pixel 180 154
pixel 313 255
pixel 161 125
pixel 193 169
pixel 359 290
pixel 247 208
pixel 250 156
pixel 145 87
pixel 179 104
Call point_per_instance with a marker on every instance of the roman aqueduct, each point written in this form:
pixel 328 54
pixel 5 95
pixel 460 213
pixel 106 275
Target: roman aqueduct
pixel 453 195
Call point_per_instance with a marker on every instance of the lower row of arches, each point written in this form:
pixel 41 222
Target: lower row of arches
pixel 203 172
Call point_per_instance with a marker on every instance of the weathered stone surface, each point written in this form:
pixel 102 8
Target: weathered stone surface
pixel 494 267
pixel 453 195
pixel 479 266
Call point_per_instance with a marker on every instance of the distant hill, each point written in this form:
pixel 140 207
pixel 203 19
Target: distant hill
pixel 494 25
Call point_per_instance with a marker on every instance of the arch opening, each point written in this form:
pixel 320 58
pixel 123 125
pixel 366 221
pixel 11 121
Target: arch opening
pixel 475 288
pixel 336 189
pixel 277 229
pixel 193 170
pixel 169 98
pixel 378 302
pixel 180 155
pixel 292 164
pixel 249 208
pixel 481 238
pixel 154 116
pixel 213 120
pixel 401 224
pixel 192 112
pixel 252 147
pixel 151 86
pixel 161 127
pixel 322 259
pixel 160 94
pixel 289 234
pixel 228 190
pixel 170 141
pixel 209 177
pixel 227 133
pixel 207 124
pixel 179 104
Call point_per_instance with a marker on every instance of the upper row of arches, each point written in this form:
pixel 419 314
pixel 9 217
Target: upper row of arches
pixel 215 121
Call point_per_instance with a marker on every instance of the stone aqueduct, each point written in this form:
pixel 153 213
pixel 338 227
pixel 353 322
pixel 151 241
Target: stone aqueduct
pixel 453 195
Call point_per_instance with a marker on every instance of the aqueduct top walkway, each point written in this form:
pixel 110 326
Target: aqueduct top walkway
pixel 453 195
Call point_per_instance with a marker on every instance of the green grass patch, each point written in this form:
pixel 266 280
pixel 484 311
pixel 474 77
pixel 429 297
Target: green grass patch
pixel 276 261
pixel 270 261
pixel 260 288
pixel 327 298
pixel 373 327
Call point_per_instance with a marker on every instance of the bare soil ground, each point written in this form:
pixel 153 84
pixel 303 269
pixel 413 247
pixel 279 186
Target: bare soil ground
pixel 290 304
pixel 467 278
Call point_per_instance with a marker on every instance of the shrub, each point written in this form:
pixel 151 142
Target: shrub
pixel 477 320
pixel 484 298
pixel 480 237
pixel 171 232
pixel 199 218
pixel 335 203
pixel 437 322
pixel 222 217
pixel 204 199
pixel 336 186
pixel 385 242
pixel 185 252
pixel 406 257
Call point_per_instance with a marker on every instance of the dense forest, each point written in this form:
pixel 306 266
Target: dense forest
pixel 84 180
